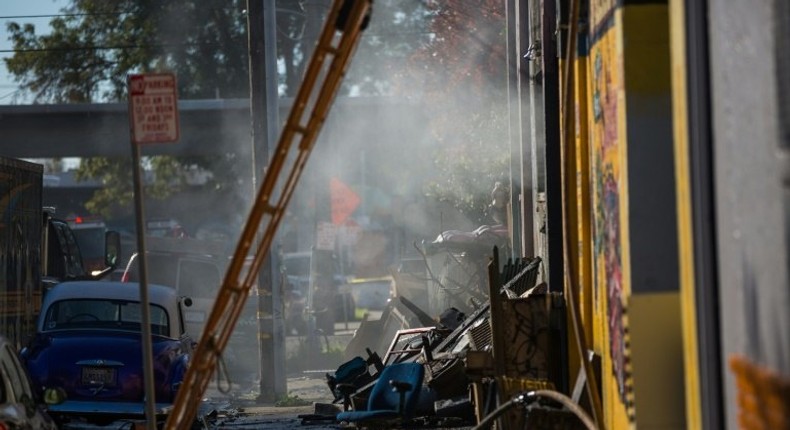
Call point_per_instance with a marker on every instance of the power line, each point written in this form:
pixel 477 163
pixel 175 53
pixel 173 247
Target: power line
pixel 5 96
pixel 61 15
pixel 105 48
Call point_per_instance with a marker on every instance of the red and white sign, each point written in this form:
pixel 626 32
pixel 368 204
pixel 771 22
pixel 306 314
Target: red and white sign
pixel 153 108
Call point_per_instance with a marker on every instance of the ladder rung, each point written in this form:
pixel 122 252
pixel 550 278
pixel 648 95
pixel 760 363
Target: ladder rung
pixel 331 50
pixel 269 209
pixel 235 287
pixel 298 129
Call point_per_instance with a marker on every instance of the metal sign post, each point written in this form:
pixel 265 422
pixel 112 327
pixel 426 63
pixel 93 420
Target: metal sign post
pixel 153 118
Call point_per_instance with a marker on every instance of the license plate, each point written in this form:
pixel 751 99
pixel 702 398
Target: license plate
pixel 98 376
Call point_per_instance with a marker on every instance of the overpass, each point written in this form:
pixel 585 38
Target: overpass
pixel 207 127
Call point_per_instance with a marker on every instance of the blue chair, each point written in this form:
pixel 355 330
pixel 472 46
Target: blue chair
pixel 349 377
pixel 393 398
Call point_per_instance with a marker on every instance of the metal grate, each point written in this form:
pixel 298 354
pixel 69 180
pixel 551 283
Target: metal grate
pixel 480 336
pixel 519 276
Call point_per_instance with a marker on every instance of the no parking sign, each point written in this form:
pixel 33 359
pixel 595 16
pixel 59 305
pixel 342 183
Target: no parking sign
pixel 153 108
pixel 153 118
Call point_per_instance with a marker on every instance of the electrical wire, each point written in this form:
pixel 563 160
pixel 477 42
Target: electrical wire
pixel 59 15
pixel 570 274
pixel 525 398
pixel 106 48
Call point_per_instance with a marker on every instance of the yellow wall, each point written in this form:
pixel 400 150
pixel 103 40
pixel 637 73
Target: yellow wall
pixel 656 352
pixel 606 112
pixel 641 379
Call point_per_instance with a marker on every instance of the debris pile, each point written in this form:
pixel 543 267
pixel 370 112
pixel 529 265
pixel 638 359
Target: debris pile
pixel 499 333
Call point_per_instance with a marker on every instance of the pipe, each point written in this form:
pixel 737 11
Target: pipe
pixel 524 398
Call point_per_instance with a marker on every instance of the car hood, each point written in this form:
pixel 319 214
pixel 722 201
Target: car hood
pixel 104 365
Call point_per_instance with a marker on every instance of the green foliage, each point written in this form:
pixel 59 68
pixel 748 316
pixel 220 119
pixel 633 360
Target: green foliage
pixel 116 175
pixel 116 179
pixel 95 44
pixel 397 28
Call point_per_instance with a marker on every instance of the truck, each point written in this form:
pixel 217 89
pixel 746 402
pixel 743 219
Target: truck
pixel 90 232
pixel 37 250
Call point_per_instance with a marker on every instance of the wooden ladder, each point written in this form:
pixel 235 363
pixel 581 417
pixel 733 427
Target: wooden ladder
pixel 328 65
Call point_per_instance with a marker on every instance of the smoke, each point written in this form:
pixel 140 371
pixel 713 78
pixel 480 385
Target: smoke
pixel 417 133
pixel 421 135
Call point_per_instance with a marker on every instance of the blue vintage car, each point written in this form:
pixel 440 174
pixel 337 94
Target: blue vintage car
pixel 88 347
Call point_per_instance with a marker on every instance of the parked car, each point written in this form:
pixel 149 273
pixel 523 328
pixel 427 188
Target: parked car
pixel 88 345
pixel 20 407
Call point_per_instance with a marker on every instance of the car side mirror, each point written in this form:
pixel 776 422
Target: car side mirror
pixel 112 249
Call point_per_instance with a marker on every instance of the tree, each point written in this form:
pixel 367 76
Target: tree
pixel 462 73
pixel 397 29
pixel 95 44
pixel 291 22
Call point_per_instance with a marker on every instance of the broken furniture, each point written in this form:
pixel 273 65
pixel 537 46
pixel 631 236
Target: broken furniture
pixel 528 338
pixel 406 346
pixel 352 375
pixel 393 398
pixel 456 263
pixel 377 334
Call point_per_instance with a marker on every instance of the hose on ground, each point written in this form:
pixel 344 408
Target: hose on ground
pixel 527 397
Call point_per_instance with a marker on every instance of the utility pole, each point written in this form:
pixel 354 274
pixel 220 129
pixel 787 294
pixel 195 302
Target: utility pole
pixel 262 43
pixel 521 202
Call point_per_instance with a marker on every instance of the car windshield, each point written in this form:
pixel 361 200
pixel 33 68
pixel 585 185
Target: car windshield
pixel 104 314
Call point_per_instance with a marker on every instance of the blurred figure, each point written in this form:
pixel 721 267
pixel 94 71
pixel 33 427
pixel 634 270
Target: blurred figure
pixel 498 206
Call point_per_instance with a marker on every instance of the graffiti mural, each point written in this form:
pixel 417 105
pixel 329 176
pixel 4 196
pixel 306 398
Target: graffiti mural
pixel 608 171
